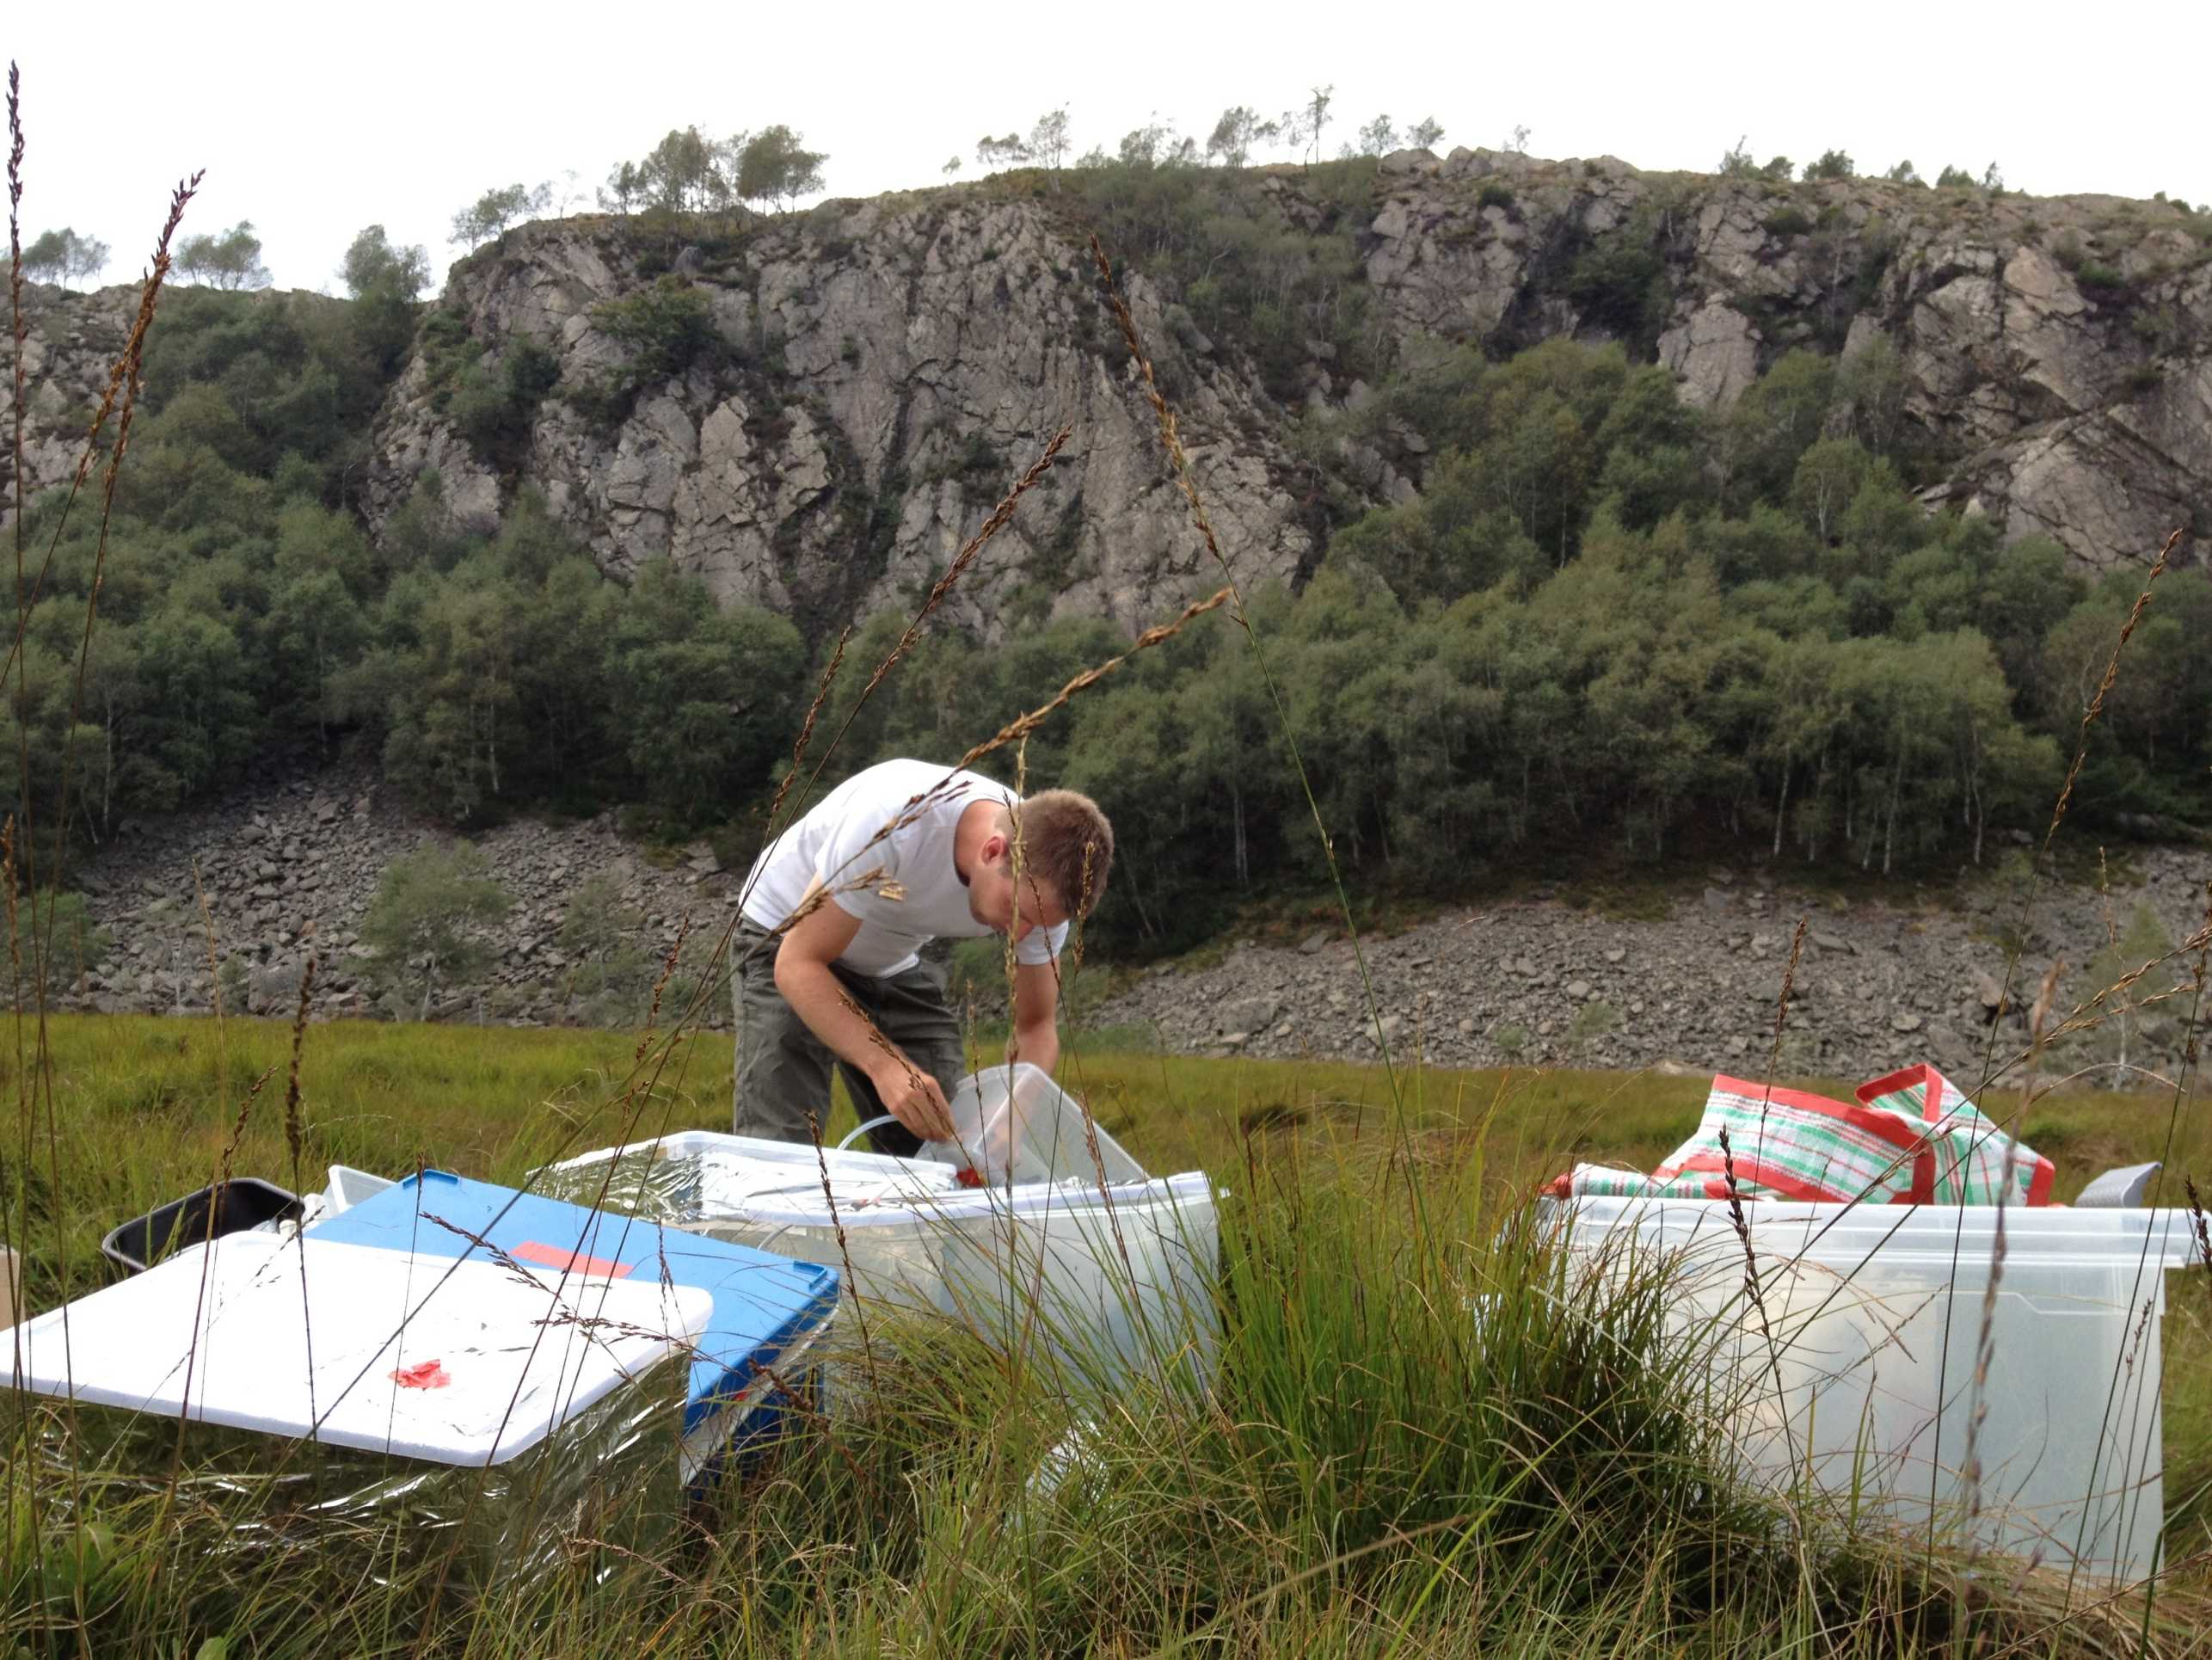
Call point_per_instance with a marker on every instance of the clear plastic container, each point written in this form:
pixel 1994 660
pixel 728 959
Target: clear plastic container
pixel 1012 1124
pixel 1857 1374
pixel 1110 1279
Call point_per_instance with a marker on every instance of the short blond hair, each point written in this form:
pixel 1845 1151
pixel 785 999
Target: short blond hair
pixel 1067 845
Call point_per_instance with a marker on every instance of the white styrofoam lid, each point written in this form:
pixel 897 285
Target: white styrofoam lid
pixel 424 1356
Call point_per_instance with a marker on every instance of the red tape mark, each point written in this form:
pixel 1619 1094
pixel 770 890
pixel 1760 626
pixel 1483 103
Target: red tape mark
pixel 546 1256
pixel 429 1374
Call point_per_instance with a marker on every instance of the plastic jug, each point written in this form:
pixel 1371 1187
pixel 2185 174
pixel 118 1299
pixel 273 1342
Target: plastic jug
pixel 1013 1124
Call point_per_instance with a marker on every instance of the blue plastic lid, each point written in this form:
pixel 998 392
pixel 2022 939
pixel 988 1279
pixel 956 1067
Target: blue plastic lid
pixel 761 1302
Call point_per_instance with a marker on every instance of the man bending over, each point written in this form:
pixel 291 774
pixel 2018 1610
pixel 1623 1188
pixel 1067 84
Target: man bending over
pixel 896 855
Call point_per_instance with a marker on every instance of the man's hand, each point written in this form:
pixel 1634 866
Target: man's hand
pixel 913 1098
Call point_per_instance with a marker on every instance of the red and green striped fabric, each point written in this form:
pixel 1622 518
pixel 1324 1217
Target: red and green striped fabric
pixel 1910 1137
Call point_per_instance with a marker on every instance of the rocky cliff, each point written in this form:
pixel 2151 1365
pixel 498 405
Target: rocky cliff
pixel 879 370
pixel 889 365
pixel 2055 351
pixel 883 373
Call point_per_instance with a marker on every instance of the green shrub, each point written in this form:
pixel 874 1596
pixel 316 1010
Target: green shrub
pixel 422 922
pixel 666 328
pixel 62 925
pixel 604 400
pixel 1591 1022
pixel 1494 195
pixel 1788 222
pixel 493 408
pixel 1620 284
pixel 2095 279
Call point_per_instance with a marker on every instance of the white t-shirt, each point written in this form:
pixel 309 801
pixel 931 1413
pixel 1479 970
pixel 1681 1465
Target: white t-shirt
pixel 841 840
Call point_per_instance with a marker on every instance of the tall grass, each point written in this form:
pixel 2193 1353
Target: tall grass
pixel 1416 1442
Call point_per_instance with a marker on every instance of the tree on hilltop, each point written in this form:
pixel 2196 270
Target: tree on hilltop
pixel 774 165
pixel 386 280
pixel 63 255
pixel 1238 133
pixel 490 214
pixel 1832 164
pixel 1156 144
pixel 997 154
pixel 1048 138
pixel 1302 127
pixel 1378 137
pixel 232 260
pixel 374 264
pixel 686 173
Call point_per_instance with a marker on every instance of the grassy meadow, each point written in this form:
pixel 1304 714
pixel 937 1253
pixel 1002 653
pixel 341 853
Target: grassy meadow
pixel 1374 1473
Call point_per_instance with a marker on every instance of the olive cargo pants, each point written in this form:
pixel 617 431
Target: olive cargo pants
pixel 782 1088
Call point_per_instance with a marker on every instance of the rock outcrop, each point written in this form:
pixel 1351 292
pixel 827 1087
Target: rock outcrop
pixel 2059 349
pixel 70 346
pixel 879 378
pixel 882 370
pixel 911 354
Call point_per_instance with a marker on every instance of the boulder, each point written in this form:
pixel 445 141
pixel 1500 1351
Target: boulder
pixel 1248 1014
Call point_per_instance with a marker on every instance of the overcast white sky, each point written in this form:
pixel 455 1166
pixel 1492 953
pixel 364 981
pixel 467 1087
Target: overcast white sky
pixel 314 120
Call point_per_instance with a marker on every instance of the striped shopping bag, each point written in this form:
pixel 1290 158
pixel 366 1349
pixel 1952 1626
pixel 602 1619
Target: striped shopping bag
pixel 1911 1138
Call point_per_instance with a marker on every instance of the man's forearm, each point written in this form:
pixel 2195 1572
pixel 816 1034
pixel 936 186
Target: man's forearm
pixel 1038 1045
pixel 816 998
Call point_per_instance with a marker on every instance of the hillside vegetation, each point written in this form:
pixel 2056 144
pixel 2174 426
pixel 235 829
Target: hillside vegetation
pixel 1519 595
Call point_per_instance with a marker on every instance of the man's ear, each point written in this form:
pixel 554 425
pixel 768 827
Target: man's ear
pixel 994 849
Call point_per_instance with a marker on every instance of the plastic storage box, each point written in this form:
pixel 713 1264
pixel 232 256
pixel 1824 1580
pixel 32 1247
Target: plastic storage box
pixel 1013 1125
pixel 766 1314
pixel 1859 1376
pixel 231 1206
pixel 1112 1280
pixel 336 1396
